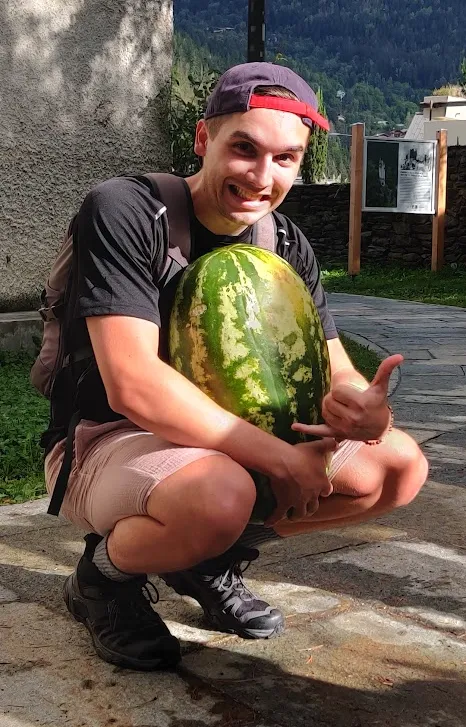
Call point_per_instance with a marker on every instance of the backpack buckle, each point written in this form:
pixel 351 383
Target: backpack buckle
pixel 51 313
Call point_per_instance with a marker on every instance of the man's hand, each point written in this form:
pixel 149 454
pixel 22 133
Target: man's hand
pixel 353 412
pixel 305 482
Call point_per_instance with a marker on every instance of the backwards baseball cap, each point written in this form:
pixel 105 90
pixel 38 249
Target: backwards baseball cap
pixel 234 93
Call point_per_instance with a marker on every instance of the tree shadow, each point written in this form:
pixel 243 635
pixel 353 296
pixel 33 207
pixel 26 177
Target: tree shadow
pixel 47 662
pixel 435 697
pixel 85 96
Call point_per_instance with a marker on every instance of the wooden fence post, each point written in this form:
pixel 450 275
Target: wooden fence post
pixel 438 220
pixel 355 216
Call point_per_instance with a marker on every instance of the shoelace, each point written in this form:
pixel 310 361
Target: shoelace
pixel 232 579
pixel 136 608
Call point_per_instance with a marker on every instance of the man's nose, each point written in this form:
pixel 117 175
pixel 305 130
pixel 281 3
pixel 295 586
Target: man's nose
pixel 260 173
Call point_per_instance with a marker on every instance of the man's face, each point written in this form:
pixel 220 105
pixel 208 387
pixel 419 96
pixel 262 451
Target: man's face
pixel 249 166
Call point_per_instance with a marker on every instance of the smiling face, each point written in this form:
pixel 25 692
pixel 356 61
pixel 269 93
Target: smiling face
pixel 249 165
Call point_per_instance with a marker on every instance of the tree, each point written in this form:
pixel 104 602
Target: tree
pixel 463 76
pixel 314 167
pixel 184 115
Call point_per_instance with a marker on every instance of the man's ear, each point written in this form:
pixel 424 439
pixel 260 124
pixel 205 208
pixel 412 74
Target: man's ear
pixel 201 138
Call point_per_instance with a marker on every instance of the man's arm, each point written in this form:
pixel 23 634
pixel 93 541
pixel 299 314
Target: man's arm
pixel 341 367
pixel 160 400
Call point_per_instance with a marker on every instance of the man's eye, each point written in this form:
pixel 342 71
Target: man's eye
pixel 286 158
pixel 244 147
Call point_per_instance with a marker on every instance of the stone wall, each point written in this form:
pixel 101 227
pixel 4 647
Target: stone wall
pixel 84 90
pixel 322 212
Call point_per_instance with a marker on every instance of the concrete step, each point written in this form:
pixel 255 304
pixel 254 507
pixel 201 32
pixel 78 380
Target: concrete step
pixel 19 329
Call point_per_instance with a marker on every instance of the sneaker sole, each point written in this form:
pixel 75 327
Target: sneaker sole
pixel 215 622
pixel 245 633
pixel 78 610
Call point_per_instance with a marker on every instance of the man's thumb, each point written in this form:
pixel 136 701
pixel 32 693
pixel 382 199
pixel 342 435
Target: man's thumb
pixel 327 444
pixel 386 368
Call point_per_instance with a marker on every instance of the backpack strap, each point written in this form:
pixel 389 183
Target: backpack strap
pixel 61 483
pixel 264 233
pixel 174 194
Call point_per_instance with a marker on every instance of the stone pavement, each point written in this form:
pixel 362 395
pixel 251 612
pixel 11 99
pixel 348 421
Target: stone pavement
pixel 376 614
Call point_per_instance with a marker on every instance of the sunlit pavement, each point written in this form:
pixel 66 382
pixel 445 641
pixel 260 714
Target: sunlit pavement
pixel 376 614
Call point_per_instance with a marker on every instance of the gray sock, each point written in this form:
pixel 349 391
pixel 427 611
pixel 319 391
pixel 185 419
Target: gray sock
pixel 103 563
pixel 254 535
pixel 251 536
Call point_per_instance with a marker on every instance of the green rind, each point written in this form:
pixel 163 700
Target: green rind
pixel 244 329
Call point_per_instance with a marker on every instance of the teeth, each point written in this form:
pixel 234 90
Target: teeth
pixel 246 195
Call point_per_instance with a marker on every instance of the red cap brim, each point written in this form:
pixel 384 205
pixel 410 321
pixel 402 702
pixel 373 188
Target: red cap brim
pixel 293 107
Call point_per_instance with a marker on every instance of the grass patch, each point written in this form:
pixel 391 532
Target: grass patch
pixel 447 287
pixel 24 416
pixel 364 359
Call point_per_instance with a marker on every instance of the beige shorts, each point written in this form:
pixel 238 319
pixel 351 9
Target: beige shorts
pixel 117 465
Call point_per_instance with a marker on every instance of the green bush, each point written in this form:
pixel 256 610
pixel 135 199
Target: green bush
pixel 184 115
pixel 23 417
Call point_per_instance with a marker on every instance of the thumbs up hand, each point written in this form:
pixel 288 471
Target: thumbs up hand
pixel 356 411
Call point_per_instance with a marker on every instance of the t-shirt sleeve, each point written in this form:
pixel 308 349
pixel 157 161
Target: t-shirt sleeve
pixel 117 245
pixel 305 263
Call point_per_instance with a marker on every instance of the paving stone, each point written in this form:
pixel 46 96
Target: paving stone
pixel 447 457
pixel 50 675
pixel 434 619
pixel 445 400
pixel 447 359
pixel 6 596
pixel 59 681
pixel 395 573
pixel 433 386
pixel 416 354
pixel 441 340
pixel 437 515
pixel 321 542
pixel 421 435
pixel 397 342
pixel 445 349
pixel 17 518
pixel 428 415
pixel 433 367
pixel 355 669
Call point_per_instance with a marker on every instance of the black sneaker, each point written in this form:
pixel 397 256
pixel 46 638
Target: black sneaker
pixel 227 603
pixel 125 629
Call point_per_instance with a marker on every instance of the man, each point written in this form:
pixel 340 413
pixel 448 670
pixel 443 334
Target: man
pixel 162 483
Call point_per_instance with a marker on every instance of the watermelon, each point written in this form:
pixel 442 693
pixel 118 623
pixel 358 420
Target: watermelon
pixel 245 330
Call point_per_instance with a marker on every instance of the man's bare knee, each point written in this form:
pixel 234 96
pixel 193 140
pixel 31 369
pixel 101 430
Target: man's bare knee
pixel 208 503
pixel 409 470
pixel 393 471
pixel 227 499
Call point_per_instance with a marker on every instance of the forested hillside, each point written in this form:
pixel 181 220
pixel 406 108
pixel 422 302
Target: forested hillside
pixel 384 54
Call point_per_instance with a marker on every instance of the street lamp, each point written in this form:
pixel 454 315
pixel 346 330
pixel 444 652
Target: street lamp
pixel 256 30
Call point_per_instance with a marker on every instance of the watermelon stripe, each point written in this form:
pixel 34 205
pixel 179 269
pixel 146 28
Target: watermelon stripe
pixel 251 338
pixel 245 330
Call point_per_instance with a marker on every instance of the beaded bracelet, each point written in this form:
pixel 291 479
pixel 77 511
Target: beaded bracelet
pixel 373 442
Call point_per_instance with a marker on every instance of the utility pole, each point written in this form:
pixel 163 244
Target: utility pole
pixel 256 30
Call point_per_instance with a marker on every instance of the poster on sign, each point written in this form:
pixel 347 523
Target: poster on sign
pixel 399 176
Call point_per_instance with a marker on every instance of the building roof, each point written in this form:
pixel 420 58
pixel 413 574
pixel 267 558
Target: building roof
pixel 436 101
pixel 416 127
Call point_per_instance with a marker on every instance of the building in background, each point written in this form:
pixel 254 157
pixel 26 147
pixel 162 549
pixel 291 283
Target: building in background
pixel 84 89
pixel 440 112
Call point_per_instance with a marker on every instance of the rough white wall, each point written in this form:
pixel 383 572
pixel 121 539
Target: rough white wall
pixel 456 131
pixel 83 96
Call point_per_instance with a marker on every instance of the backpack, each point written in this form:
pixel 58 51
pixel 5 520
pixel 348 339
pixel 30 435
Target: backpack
pixel 174 194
